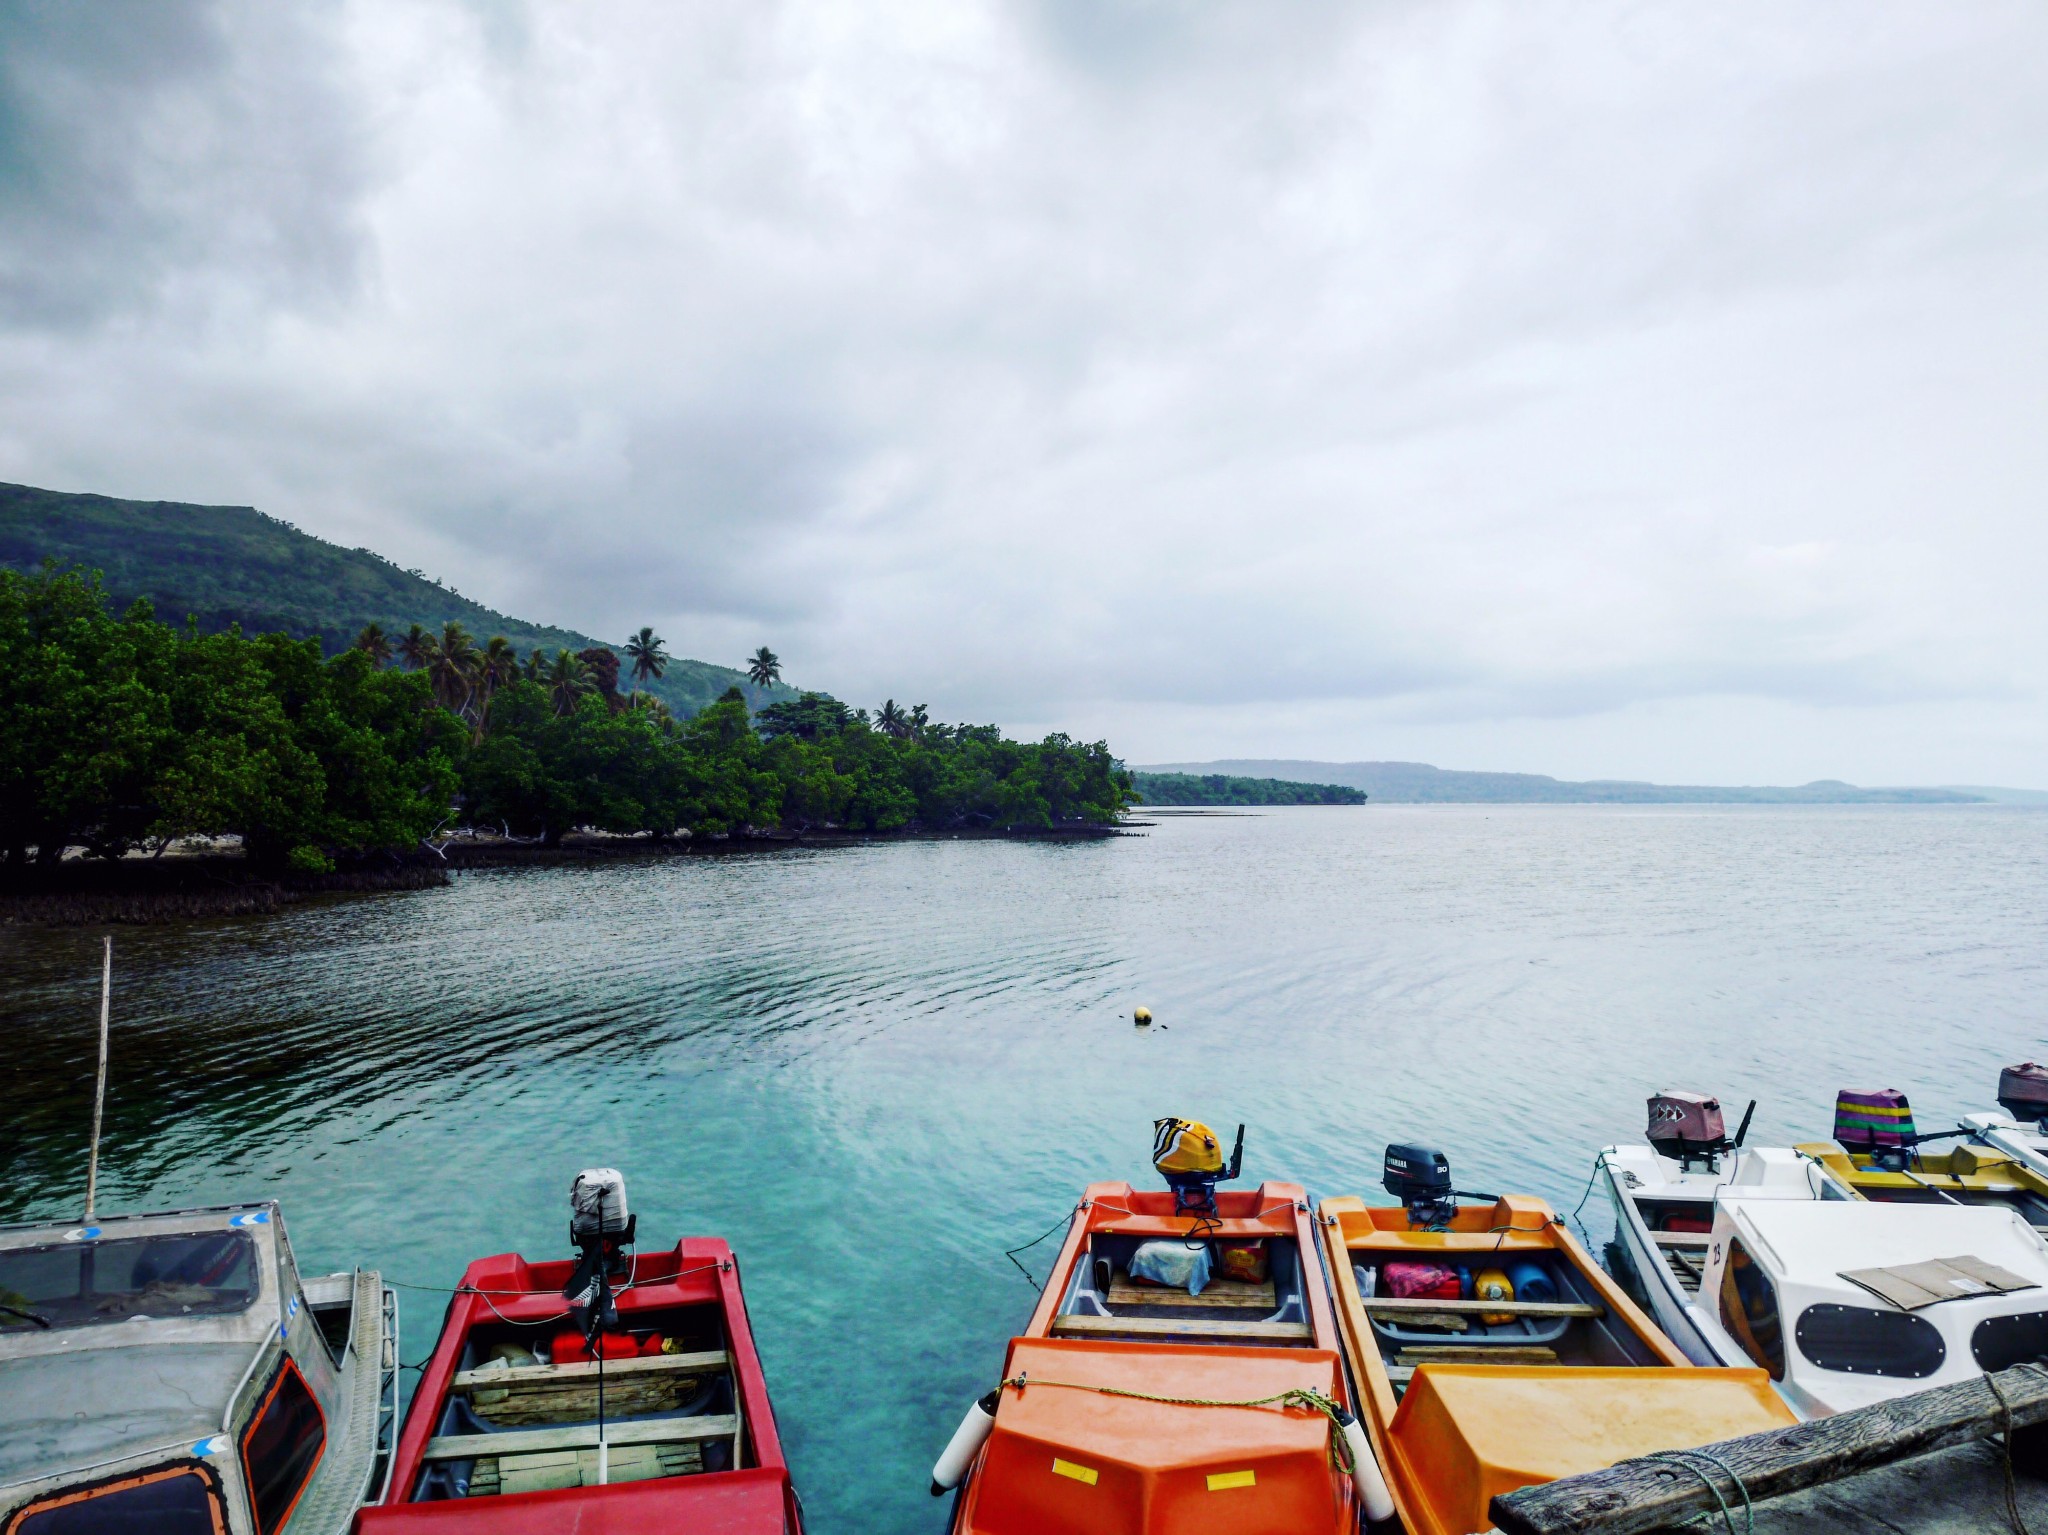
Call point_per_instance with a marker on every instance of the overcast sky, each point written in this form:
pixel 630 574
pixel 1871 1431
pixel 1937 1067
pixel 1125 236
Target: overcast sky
pixel 1604 390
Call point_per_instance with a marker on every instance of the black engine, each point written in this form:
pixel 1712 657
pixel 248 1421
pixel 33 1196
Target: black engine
pixel 1420 1178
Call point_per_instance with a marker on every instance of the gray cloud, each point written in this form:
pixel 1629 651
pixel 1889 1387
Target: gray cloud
pixel 1538 381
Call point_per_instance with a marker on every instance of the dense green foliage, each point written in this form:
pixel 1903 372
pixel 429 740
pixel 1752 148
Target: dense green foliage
pixel 1220 789
pixel 230 565
pixel 123 732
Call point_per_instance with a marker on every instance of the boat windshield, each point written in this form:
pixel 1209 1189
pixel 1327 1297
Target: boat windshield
pixel 80 1284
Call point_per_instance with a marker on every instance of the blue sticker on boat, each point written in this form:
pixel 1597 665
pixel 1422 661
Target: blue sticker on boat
pixel 82 1234
pixel 251 1218
pixel 215 1446
pixel 291 1310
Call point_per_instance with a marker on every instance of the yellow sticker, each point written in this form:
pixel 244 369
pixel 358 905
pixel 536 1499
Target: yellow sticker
pixel 1224 1479
pixel 1085 1474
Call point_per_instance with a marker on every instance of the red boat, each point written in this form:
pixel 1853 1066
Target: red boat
pixel 508 1434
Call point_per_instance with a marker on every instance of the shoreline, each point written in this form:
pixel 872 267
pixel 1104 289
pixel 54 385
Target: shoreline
pixel 208 882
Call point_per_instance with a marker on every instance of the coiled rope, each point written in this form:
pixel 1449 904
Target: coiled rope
pixel 2012 1496
pixel 1683 1459
pixel 1301 1398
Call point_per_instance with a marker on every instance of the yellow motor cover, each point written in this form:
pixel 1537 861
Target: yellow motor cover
pixel 1185 1146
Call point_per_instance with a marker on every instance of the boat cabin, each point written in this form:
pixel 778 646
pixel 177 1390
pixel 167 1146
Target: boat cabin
pixel 518 1426
pixel 175 1373
pixel 1115 1413
pixel 1845 1304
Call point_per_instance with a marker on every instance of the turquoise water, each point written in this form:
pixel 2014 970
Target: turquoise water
pixel 874 1068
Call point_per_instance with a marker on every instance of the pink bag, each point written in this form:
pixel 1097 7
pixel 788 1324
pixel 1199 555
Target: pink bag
pixel 1406 1280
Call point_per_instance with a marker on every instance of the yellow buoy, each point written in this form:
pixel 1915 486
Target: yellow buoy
pixel 1142 1017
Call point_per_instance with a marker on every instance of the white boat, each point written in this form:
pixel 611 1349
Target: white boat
pixel 1846 1303
pixel 1665 1194
pixel 175 1373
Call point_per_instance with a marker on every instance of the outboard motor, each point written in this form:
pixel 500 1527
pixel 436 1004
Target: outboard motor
pixel 1689 1129
pixel 1190 1159
pixel 1420 1177
pixel 2023 1093
pixel 600 1226
pixel 1876 1124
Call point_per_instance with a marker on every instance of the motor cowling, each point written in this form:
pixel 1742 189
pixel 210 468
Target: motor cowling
pixel 1874 1123
pixel 2023 1092
pixel 1420 1177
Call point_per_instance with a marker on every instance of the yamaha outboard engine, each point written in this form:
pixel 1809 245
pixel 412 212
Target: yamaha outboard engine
pixel 1421 1179
pixel 2023 1092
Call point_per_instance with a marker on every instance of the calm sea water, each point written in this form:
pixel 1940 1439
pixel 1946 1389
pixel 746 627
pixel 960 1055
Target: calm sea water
pixel 874 1068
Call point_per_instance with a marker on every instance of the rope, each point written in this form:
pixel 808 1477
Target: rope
pixel 1683 1459
pixel 1300 1398
pixel 1011 1252
pixel 2012 1496
pixel 1598 1162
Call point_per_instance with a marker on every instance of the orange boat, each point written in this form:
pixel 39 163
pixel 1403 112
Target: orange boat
pixel 1491 1352
pixel 1135 1409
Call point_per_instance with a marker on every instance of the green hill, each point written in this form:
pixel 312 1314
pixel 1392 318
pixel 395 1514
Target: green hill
pixel 234 564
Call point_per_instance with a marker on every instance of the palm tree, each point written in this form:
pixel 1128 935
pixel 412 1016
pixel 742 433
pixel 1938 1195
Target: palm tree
pixel 536 667
pixel 376 644
pixel 648 658
pixel 417 649
pixel 496 664
pixel 454 668
pixel 891 720
pixel 764 668
pixel 568 680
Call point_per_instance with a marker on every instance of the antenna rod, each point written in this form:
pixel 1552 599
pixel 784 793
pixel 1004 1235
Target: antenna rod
pixel 99 1095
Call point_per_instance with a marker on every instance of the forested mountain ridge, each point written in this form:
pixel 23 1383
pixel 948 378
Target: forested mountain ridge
pixel 233 564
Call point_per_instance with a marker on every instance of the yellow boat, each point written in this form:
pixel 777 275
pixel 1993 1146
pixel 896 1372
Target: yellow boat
pixel 1878 1153
pixel 1541 1368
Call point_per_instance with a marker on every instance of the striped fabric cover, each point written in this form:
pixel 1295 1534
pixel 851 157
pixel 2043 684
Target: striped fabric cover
pixel 1867 1120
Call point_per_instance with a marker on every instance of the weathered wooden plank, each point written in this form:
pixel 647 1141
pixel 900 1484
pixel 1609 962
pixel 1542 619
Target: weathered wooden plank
pixel 1642 1495
pixel 1397 1305
pixel 1174 1327
pixel 582 1436
pixel 1681 1238
pixel 689 1364
pixel 1219 1293
pixel 1416 1355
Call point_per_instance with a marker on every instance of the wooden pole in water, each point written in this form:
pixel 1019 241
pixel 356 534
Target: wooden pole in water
pixel 99 1094
pixel 1643 1495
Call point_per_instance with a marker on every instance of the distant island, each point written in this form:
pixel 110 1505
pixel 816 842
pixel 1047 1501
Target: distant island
pixel 1419 783
pixel 1223 789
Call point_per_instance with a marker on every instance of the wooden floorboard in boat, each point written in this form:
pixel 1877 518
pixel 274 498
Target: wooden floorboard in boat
pixel 1175 1327
pixel 1225 1294
pixel 581 1436
pixel 1391 1305
pixel 1474 1353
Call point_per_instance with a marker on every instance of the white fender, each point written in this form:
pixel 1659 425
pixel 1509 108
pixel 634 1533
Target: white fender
pixel 1373 1496
pixel 965 1444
